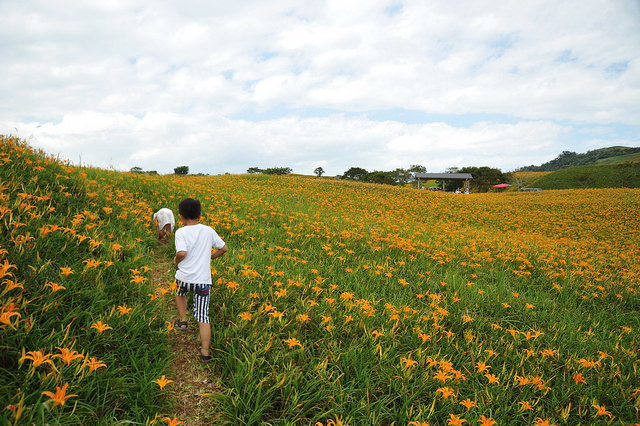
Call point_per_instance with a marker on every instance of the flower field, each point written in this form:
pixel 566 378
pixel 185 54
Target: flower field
pixel 338 302
pixel 80 339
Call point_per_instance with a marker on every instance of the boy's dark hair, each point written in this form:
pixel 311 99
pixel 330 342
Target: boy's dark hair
pixel 190 208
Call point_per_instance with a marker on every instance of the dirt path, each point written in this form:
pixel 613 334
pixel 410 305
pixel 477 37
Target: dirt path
pixel 194 389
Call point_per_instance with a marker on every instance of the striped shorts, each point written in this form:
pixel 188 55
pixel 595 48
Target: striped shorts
pixel 200 298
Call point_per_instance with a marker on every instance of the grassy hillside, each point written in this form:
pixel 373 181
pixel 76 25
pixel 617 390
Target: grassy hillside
pixel 80 339
pixel 620 159
pixel 597 156
pixel 620 175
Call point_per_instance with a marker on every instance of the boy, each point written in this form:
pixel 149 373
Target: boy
pixel 194 242
pixel 164 224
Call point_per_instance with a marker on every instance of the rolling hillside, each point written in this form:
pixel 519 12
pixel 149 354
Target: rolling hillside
pixel 610 155
pixel 618 175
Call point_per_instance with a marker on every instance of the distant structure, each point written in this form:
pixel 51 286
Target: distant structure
pixel 466 177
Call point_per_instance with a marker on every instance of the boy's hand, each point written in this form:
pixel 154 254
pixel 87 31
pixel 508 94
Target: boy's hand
pixel 179 257
pixel 216 254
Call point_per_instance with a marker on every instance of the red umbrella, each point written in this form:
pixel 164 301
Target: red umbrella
pixel 501 185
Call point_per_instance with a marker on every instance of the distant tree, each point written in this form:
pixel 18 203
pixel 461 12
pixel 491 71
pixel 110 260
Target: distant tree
pixel 319 171
pixel 277 171
pixel 254 170
pixel 413 170
pixel 136 169
pixel 355 173
pixel 181 170
pixel 402 176
pixel 388 178
pixel 417 168
pixel 483 177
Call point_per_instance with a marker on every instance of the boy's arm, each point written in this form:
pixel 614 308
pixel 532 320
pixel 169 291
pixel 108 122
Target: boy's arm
pixel 216 254
pixel 179 257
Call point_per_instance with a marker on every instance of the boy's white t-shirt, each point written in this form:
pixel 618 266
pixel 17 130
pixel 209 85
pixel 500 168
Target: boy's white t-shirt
pixel 197 241
pixel 164 216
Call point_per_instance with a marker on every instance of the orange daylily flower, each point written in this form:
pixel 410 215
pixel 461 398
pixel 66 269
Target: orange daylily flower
pixel 7 312
pixel 123 309
pixel 525 405
pixel 94 364
pixel 66 271
pixel 602 410
pixel 138 279
pixel 424 337
pixel 245 316
pixel 408 362
pixel 5 267
pixel 162 382
pixel 482 367
pixel 454 420
pixel 10 285
pixel 293 342
pixel 492 378
pixel 579 378
pixel 446 392
pixel 100 326
pixel 468 404
pixel 37 358
pixel 276 314
pixel 442 376
pixel 486 421
pixel 347 296
pixel 92 263
pixel 60 397
pixel 303 317
pixel 67 355
pixel 55 286
pixel 376 333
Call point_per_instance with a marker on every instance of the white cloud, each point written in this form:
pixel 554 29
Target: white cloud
pixel 160 141
pixel 123 82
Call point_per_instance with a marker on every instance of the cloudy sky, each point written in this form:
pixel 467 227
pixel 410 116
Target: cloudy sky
pixel 221 86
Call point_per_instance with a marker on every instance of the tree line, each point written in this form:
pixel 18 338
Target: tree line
pixel 483 177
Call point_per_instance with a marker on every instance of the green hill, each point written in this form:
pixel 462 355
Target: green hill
pixel 620 175
pixel 620 158
pixel 610 155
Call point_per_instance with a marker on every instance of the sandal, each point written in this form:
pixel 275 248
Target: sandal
pixel 181 325
pixel 205 358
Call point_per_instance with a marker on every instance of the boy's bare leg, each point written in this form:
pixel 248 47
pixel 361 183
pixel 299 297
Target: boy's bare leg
pixel 165 233
pixel 181 304
pixel 205 337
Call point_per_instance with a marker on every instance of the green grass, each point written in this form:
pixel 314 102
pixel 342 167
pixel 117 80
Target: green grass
pixel 619 175
pixel 620 159
pixel 54 219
